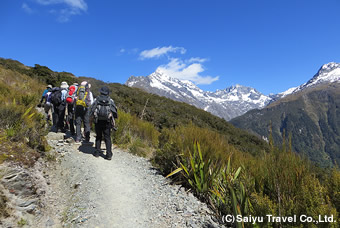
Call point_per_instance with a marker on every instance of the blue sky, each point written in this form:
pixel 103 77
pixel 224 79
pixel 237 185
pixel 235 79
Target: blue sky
pixel 270 45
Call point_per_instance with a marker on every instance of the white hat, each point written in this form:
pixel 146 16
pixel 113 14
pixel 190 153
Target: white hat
pixel 64 85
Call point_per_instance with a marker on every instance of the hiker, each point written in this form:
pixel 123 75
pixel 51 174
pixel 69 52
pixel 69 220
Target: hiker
pixel 62 107
pixel 104 111
pixel 70 107
pixel 43 97
pixel 48 105
pixel 58 97
pixel 55 101
pixel 82 112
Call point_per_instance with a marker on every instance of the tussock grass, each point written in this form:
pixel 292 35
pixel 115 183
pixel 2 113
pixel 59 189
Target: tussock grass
pixel 22 128
pixel 139 136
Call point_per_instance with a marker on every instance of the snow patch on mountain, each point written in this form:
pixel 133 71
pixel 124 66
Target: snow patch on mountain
pixel 227 103
pixel 328 73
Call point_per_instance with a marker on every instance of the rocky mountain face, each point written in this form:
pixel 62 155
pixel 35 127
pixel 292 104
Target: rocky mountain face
pixel 228 103
pixel 309 113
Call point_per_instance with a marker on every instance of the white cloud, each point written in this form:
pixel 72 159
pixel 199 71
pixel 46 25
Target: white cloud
pixel 26 8
pixel 159 51
pixel 77 4
pixel 197 59
pixel 186 71
pixel 122 50
pixel 73 7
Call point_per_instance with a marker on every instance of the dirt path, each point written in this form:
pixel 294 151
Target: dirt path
pixel 124 192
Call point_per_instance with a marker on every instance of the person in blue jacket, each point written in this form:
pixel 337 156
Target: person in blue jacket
pixel 48 89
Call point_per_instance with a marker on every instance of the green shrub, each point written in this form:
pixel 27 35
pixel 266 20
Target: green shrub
pixel 137 135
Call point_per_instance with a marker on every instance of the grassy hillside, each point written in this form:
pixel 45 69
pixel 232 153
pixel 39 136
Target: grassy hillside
pixel 21 127
pixel 312 118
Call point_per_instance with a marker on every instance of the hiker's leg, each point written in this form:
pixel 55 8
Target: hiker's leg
pixel 70 111
pixel 99 134
pixel 55 118
pixel 61 117
pixel 47 107
pixel 87 126
pixel 78 126
pixel 107 137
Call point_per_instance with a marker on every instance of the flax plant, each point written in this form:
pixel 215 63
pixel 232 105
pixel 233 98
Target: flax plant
pixel 200 172
pixel 230 190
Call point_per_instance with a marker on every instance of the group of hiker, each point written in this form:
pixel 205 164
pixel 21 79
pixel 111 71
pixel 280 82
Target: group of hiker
pixel 72 106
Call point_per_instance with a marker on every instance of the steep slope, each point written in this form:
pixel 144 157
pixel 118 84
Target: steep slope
pixel 227 103
pixel 310 113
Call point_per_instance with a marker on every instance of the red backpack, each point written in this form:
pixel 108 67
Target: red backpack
pixel 72 92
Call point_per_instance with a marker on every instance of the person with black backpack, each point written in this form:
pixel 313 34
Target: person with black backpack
pixel 104 111
pixel 55 101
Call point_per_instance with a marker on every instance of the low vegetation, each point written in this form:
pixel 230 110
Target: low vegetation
pixel 22 128
pixel 234 172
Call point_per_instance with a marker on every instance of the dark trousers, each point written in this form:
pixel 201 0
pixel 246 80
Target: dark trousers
pixel 58 116
pixel 61 116
pixel 54 116
pixel 82 115
pixel 103 127
pixel 70 114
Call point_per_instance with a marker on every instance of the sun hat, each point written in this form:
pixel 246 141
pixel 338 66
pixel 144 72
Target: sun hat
pixel 49 86
pixel 104 90
pixel 64 85
pixel 83 83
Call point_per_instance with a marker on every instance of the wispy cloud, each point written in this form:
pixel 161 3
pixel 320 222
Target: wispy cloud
pixel 77 4
pixel 187 70
pixel 160 51
pixel 71 8
pixel 26 8
pixel 197 59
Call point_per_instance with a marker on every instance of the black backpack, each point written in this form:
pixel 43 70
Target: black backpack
pixel 103 109
pixel 56 96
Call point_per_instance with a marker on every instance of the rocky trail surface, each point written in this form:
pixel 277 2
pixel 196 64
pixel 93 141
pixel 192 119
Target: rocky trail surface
pixel 80 190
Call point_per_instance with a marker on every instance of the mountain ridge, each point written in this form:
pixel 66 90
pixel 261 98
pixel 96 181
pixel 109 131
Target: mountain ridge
pixel 227 103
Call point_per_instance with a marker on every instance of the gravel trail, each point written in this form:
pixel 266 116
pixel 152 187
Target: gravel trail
pixel 124 192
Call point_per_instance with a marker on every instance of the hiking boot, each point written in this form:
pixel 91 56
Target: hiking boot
pixel 108 157
pixel 96 153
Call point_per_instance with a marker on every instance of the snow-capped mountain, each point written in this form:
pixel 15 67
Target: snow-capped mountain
pixel 228 103
pixel 328 73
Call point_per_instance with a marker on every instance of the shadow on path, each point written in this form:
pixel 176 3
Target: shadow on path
pixel 87 148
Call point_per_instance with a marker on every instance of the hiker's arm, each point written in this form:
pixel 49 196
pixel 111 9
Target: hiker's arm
pixel 91 98
pixel 113 109
pixel 93 107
